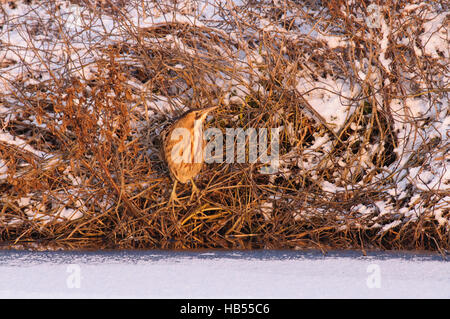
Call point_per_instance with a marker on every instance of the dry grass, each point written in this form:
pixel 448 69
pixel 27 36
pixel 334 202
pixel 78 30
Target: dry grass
pixel 100 133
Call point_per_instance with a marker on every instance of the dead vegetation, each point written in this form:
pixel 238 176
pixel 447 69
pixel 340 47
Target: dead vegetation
pixel 80 123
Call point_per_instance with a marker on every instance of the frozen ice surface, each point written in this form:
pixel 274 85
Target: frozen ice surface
pixel 235 274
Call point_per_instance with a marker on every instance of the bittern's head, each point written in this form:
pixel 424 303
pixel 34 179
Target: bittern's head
pixel 195 117
pixel 201 114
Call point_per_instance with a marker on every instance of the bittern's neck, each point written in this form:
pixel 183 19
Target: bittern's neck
pixel 198 141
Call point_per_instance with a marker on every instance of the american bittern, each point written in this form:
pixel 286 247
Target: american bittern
pixel 183 147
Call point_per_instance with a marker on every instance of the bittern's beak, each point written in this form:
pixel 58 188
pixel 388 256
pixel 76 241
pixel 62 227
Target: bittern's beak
pixel 209 109
pixel 206 110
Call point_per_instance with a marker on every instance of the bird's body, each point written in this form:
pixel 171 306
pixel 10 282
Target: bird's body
pixel 183 145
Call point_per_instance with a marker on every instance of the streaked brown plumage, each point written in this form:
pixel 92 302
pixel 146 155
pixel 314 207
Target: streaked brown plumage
pixel 182 148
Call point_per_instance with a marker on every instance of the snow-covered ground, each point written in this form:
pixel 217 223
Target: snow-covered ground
pixel 257 274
